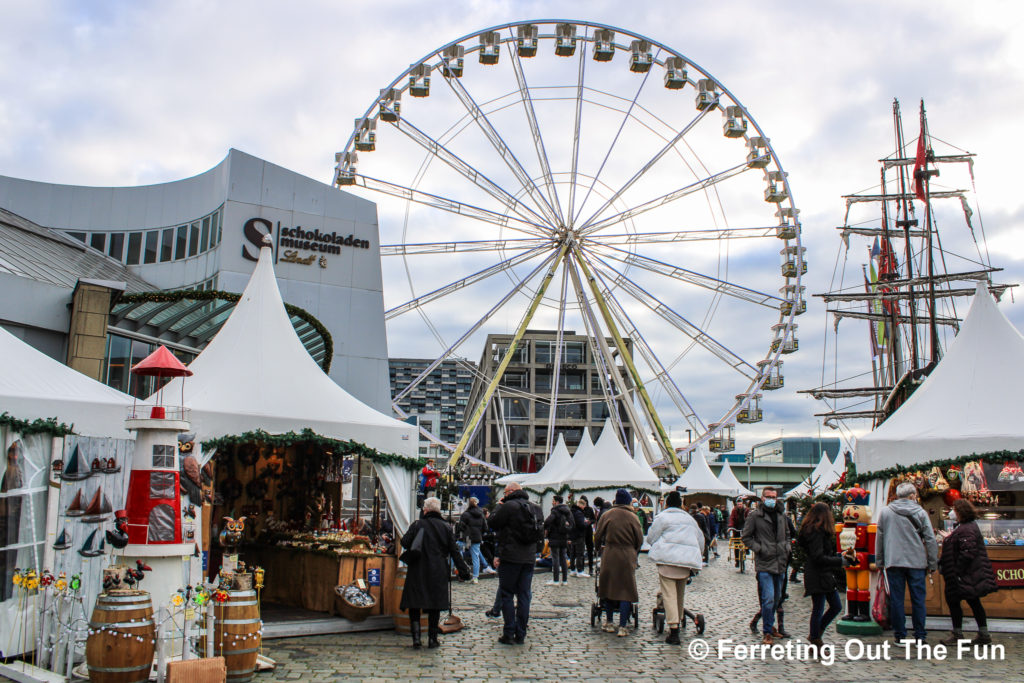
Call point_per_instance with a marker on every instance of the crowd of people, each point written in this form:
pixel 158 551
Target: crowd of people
pixel 609 535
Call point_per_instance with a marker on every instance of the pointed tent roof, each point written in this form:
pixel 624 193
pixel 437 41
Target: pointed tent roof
pixel 968 404
pixel 729 480
pixel 698 477
pixel 550 474
pixel 824 474
pixel 33 385
pixel 607 464
pixel 256 374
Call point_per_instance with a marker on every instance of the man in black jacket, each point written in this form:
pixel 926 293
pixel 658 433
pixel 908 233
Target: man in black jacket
pixel 558 528
pixel 577 537
pixel 516 558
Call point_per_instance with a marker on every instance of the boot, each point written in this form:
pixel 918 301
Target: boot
pixel 673 636
pixel 983 637
pixel 780 630
pixel 432 640
pixel 414 628
pixel 753 623
pixel 954 636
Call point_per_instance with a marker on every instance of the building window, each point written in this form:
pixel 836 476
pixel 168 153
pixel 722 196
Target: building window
pixel 115 248
pixel 163 456
pixel 217 225
pixel 204 241
pixel 599 411
pixel 80 236
pixel 193 239
pixel 117 362
pixel 167 246
pixel 515 408
pixel 134 248
pixel 515 380
pixel 152 237
pixel 574 352
pixel 181 244
pixel 570 411
pixel 98 241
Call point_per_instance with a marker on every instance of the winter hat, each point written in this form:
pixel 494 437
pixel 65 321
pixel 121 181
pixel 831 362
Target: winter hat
pixel 674 499
pixel 622 497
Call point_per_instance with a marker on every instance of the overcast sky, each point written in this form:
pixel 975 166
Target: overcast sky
pixel 127 93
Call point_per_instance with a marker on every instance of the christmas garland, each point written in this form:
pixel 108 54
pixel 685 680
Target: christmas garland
pixel 308 436
pixel 215 294
pixel 996 457
pixel 38 426
pixel 590 489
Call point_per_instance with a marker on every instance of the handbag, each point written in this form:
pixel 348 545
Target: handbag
pixel 415 551
pixel 880 605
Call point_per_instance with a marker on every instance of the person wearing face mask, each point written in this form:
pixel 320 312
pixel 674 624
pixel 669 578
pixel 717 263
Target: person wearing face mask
pixel 968 573
pixel 767 533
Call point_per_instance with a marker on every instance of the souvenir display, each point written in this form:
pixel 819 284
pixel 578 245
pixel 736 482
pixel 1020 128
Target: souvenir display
pixel 855 537
pixel 936 481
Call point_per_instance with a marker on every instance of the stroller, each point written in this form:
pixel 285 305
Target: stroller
pixel 597 608
pixel 658 615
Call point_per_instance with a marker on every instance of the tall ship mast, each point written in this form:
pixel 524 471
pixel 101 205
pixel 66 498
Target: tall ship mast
pixel 911 250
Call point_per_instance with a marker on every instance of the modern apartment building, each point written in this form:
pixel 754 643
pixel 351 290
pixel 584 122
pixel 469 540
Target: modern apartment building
pixel 514 430
pixel 439 401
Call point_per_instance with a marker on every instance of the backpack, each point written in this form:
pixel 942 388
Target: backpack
pixel 567 522
pixel 530 528
pixel 423 483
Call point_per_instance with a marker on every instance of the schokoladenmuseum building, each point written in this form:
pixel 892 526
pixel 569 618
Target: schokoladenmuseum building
pixel 97 276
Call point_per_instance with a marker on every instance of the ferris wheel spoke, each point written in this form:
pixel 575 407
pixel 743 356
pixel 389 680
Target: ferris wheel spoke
pixel 691 277
pixel 668 198
pixel 516 288
pixel 578 120
pixel 462 283
pixel 459 165
pixel 660 373
pixel 650 164
pixel 625 119
pixel 710 235
pixel 503 150
pixel 462 247
pixel 692 331
pixel 450 205
pixel 538 140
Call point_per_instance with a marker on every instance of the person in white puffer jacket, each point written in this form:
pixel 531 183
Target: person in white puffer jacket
pixel 677 547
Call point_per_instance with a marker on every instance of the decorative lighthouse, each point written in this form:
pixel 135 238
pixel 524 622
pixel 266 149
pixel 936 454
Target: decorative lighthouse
pixel 153 511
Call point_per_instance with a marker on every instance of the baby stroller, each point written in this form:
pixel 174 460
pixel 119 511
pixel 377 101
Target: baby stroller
pixel 598 607
pixel 658 615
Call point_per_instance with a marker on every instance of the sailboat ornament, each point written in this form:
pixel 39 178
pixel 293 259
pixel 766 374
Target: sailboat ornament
pixel 75 508
pixel 98 509
pixel 75 469
pixel 907 291
pixel 63 541
pixel 89 549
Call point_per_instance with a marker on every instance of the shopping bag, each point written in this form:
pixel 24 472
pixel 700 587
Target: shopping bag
pixel 880 605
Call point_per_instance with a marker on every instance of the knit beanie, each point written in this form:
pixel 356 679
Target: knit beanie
pixel 622 497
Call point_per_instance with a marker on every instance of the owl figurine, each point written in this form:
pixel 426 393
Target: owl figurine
pixel 231 535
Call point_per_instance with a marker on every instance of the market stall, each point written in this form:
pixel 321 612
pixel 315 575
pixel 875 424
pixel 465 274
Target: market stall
pixel 600 470
pixel 286 454
pixel 824 474
pixel 728 479
pixel 699 483
pixel 960 435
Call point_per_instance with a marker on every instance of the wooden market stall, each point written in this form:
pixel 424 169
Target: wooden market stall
pixel 960 435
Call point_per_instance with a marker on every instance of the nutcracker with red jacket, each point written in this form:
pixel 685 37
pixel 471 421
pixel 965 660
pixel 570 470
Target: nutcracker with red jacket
pixel 429 477
pixel 855 537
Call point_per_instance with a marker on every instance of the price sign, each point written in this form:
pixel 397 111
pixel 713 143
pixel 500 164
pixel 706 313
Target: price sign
pixel 373 577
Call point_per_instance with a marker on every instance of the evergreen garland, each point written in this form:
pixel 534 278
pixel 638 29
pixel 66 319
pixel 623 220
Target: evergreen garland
pixel 38 426
pixel 308 436
pixel 215 294
pixel 995 457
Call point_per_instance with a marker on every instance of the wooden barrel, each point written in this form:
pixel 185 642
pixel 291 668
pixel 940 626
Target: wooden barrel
pixel 236 634
pixel 401 615
pixel 113 651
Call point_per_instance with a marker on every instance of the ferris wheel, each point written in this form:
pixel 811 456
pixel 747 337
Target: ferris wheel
pixel 569 175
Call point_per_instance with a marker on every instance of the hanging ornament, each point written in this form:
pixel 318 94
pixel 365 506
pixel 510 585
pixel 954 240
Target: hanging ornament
pixel 936 481
pixel 955 475
pixel 1011 473
pixel 951 496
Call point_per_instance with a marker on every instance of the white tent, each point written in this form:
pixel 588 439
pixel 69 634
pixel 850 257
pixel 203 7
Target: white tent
pixel 969 404
pixel 728 479
pixel 557 462
pixel 698 477
pixel 607 467
pixel 824 474
pixel 33 385
pixel 256 374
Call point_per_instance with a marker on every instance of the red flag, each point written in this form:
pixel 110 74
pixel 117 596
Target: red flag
pixel 921 161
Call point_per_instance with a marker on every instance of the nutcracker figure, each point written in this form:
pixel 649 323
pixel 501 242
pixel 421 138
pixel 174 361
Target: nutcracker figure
pixel 855 537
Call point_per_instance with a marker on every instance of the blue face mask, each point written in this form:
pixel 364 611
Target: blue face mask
pixel 769 503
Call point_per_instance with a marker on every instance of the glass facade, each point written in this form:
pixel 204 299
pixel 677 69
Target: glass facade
pixel 795 450
pixel 122 354
pixel 161 245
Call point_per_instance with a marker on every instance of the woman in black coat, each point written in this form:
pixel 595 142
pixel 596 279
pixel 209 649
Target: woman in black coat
pixel 967 572
pixel 475 523
pixel 822 568
pixel 426 583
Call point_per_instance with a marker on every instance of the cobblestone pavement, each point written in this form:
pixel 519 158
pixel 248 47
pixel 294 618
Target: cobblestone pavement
pixel 561 645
